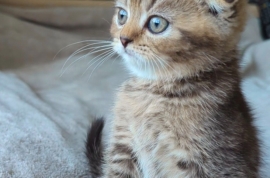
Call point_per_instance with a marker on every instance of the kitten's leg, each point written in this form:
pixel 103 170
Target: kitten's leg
pixel 175 163
pixel 120 161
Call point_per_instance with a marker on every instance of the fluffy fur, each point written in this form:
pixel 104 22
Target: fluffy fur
pixel 94 147
pixel 182 114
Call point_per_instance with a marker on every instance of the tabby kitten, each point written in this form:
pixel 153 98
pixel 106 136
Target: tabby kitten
pixel 182 114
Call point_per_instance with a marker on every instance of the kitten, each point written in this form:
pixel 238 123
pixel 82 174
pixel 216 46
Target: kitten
pixel 182 114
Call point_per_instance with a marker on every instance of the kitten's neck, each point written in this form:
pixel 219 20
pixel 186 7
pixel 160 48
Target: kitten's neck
pixel 221 80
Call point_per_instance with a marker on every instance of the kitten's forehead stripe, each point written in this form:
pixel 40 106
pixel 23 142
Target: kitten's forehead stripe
pixel 139 2
pixel 151 4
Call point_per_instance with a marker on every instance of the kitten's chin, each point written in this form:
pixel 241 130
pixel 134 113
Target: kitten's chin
pixel 141 67
pixel 136 65
pixel 138 68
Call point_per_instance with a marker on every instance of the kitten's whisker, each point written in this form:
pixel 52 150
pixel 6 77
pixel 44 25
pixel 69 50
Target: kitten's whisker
pixel 90 48
pixel 163 66
pixel 100 55
pixel 91 52
pixel 101 62
pixel 117 57
pixel 144 65
pixel 148 67
pixel 84 56
pixel 164 62
pixel 156 64
pixel 152 68
pixel 97 58
pixel 85 41
pixel 97 45
pixel 148 62
pixel 166 70
pixel 157 61
pixel 86 48
pixel 79 51
pixel 108 48
pixel 109 23
pixel 139 64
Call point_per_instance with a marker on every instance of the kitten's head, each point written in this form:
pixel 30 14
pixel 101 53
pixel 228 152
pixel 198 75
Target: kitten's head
pixel 161 39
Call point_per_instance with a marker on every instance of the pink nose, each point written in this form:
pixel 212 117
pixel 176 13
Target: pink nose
pixel 125 41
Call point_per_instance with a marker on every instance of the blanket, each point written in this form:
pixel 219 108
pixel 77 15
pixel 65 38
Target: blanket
pixel 44 116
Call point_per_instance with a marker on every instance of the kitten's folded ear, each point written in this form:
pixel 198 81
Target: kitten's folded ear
pixel 219 6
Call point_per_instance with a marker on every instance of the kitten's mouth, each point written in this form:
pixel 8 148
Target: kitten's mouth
pixel 126 51
pixel 130 53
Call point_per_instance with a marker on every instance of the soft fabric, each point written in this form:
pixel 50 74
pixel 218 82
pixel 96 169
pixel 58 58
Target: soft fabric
pixel 256 87
pixel 44 117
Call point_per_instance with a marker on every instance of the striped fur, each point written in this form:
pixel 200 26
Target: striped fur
pixel 182 114
pixel 94 148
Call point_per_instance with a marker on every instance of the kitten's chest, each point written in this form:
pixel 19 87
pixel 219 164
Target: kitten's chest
pixel 163 127
pixel 153 119
pixel 159 129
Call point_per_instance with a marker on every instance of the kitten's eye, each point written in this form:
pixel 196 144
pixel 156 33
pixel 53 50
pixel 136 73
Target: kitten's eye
pixel 122 16
pixel 157 25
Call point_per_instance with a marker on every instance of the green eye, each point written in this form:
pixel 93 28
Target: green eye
pixel 122 16
pixel 157 24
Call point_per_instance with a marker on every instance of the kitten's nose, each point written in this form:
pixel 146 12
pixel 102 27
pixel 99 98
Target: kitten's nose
pixel 125 41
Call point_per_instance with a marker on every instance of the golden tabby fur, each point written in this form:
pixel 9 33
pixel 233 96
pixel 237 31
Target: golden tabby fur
pixel 182 114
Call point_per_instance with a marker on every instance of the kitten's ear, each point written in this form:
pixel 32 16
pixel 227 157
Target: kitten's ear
pixel 219 6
